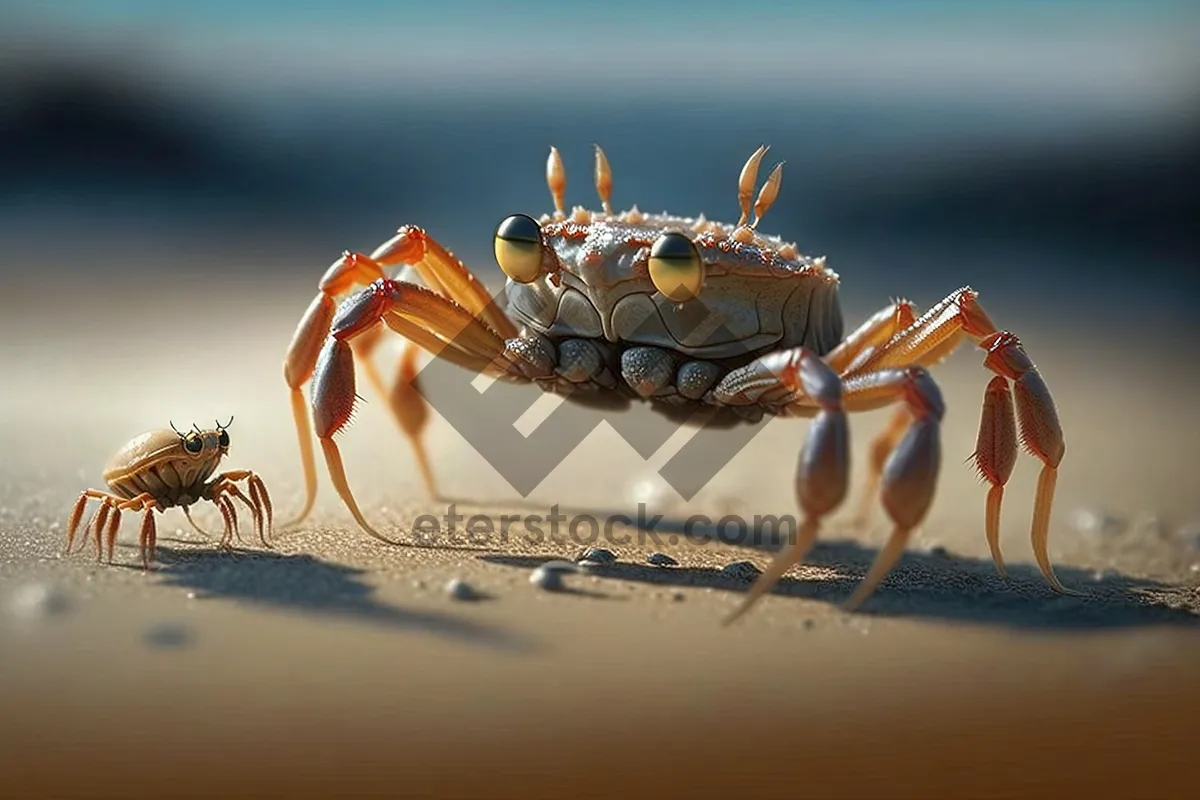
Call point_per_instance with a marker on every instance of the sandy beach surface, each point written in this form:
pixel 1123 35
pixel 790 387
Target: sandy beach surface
pixel 335 664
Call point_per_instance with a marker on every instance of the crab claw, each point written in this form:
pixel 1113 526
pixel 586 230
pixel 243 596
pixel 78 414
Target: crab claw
pixel 1041 434
pixel 995 455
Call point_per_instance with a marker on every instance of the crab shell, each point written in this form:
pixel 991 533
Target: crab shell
pixel 158 463
pixel 759 294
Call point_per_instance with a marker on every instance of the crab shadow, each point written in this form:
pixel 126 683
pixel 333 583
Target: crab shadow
pixel 935 585
pixel 307 585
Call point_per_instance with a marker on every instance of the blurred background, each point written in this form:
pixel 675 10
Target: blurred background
pixel 176 176
pixel 1042 152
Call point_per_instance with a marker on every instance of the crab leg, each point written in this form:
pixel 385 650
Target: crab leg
pixel 148 537
pixel 930 339
pixel 910 472
pixel 439 325
pixel 259 501
pixel 442 271
pixel 858 346
pixel 824 468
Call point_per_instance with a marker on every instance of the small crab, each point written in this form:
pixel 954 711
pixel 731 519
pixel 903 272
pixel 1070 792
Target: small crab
pixel 687 314
pixel 162 468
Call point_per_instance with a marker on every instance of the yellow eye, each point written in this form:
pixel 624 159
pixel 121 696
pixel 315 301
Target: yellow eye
pixel 518 245
pixel 675 267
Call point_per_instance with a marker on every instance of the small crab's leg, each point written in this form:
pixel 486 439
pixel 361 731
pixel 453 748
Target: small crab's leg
pixel 824 469
pixel 98 524
pixel 187 513
pixel 259 501
pixel 432 321
pixel 148 537
pixel 114 522
pixel 229 516
pixel 932 337
pixel 77 513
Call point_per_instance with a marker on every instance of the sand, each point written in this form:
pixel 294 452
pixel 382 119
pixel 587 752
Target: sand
pixel 334 663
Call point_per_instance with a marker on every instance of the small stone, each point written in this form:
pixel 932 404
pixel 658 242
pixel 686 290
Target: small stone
pixel 597 556
pixel 939 551
pixel 191 595
pixel 741 571
pixel 418 584
pixel 809 624
pixel 678 597
pixel 661 560
pixel 458 589
pixel 549 580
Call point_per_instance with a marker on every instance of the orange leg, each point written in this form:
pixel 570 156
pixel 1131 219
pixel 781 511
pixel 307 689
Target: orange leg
pixel 439 325
pixel 930 339
pixel 856 348
pixel 443 272
pixel 259 501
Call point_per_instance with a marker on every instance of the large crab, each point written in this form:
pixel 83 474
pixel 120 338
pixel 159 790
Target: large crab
pixel 689 315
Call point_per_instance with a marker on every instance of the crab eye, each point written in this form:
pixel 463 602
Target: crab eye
pixel 224 439
pixel 675 267
pixel 518 245
pixel 193 443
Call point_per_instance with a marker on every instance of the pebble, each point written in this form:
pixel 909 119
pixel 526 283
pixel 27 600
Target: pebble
pixel 939 551
pixel 661 560
pixel 35 600
pixel 678 597
pixel 809 624
pixel 548 579
pixel 597 556
pixel 459 589
pixel 741 570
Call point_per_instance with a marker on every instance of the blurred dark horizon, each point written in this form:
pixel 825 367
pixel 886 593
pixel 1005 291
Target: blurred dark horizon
pixel 1049 158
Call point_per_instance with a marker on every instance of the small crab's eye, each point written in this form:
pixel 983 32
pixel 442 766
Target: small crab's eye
pixel 518 245
pixel 193 443
pixel 224 439
pixel 675 267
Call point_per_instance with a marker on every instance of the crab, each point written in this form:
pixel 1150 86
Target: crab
pixel 687 314
pixel 163 468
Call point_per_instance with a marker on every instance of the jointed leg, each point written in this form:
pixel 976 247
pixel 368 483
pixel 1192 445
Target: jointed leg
pixel 824 468
pixel 934 336
pixel 424 318
pixel 441 270
pixel 224 486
